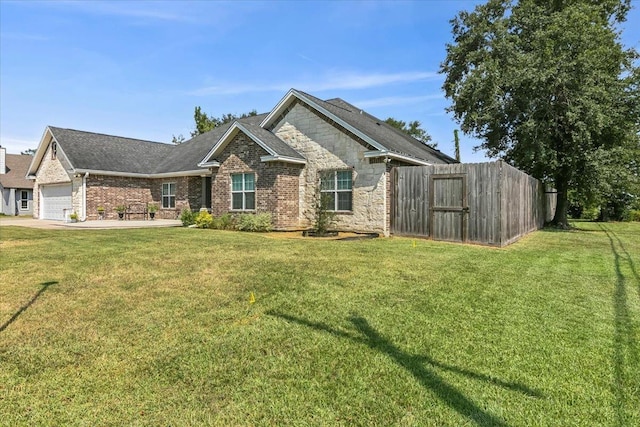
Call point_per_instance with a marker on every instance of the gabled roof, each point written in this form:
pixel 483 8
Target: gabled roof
pixel 114 155
pixel 189 154
pixel 96 152
pixel 391 138
pixel 277 149
pixel 16 170
pixel 194 153
pixel 99 152
pixel 385 139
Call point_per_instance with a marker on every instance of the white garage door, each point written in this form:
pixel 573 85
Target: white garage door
pixel 55 199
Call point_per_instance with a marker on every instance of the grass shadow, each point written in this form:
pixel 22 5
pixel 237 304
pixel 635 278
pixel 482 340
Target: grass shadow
pixel 416 366
pixel 44 287
pixel 625 345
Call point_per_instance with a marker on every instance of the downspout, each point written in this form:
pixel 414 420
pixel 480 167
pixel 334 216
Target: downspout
pixel 84 196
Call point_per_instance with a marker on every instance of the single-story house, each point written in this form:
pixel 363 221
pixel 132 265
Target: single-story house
pixel 16 191
pixel 275 162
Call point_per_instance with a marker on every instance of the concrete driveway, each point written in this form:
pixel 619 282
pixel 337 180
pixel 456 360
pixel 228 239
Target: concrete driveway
pixel 87 225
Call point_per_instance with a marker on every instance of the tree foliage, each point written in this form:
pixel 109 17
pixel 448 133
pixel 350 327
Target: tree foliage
pixel 412 129
pixel 547 86
pixel 29 152
pixel 177 139
pixel 205 123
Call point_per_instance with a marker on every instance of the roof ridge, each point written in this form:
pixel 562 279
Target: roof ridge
pixel 343 108
pixel 111 136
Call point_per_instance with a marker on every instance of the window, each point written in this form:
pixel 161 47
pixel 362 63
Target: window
pixel 168 195
pixel 336 185
pixel 24 200
pixel 243 191
pixel 54 150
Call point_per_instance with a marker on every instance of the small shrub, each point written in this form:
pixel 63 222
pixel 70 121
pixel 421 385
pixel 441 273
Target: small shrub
pixel 225 222
pixel 591 214
pixel 187 218
pixel 204 220
pixel 263 222
pixel 258 222
pixel 633 215
pixel 324 218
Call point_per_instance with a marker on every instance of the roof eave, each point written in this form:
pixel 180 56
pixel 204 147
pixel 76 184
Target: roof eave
pixel 213 164
pixel 397 156
pixel 230 134
pixel 285 159
pixel 220 143
pixel 255 139
pixel 140 175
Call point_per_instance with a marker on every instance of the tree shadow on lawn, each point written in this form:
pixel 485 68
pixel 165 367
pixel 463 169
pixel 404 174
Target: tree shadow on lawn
pixel 624 341
pixel 415 365
pixel 44 287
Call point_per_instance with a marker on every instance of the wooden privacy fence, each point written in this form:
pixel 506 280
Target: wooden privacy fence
pixel 489 203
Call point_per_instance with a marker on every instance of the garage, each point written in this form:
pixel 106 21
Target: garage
pixel 56 200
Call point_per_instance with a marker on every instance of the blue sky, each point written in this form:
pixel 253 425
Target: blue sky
pixel 138 69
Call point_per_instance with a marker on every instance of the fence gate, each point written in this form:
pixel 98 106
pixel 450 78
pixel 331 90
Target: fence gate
pixel 410 202
pixel 448 207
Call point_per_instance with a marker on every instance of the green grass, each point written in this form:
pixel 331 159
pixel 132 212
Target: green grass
pixel 154 327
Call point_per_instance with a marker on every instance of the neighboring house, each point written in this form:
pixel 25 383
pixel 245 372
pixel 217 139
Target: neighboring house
pixel 16 192
pixel 275 162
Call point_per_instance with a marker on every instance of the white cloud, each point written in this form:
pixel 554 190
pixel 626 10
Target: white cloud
pixel 332 81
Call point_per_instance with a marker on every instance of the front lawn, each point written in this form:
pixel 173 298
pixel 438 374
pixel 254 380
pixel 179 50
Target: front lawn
pixel 155 327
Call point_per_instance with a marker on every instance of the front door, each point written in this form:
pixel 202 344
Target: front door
pixel 206 192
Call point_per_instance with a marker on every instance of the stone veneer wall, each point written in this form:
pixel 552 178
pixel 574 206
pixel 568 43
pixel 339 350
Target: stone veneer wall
pixel 276 182
pixel 327 148
pixel 112 191
pixel 51 171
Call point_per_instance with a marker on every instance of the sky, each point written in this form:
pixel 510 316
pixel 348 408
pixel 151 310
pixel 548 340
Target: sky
pixel 139 68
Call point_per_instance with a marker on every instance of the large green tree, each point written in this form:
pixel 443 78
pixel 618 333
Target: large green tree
pixel 413 129
pixel 546 85
pixel 205 123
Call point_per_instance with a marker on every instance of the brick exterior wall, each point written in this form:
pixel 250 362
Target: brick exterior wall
pixel 112 191
pixel 326 147
pixel 287 191
pixel 276 182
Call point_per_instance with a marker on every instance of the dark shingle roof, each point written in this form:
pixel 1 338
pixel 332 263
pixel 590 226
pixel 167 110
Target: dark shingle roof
pixel 186 156
pixel 391 138
pixel 95 151
pixel 16 170
pixel 277 145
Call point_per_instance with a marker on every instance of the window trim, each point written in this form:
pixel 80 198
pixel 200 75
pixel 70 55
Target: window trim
pixel 54 150
pixel 24 201
pixel 244 191
pixel 169 195
pixel 335 191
